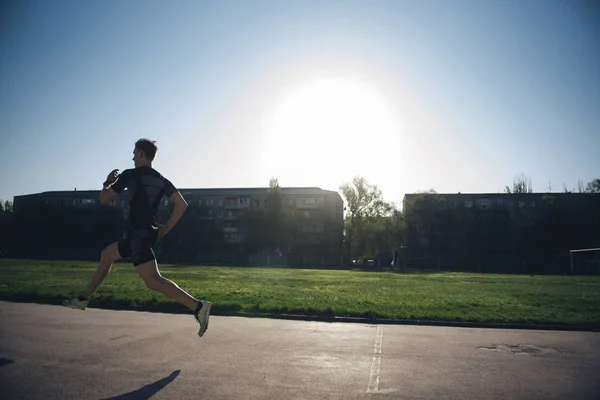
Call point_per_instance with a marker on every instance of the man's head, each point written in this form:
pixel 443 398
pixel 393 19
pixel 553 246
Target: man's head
pixel 144 152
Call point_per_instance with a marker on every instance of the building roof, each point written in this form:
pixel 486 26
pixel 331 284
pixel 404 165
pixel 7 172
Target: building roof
pixel 503 195
pixel 253 191
pixel 194 191
pixel 66 193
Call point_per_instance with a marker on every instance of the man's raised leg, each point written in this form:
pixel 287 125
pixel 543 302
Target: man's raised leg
pixel 155 281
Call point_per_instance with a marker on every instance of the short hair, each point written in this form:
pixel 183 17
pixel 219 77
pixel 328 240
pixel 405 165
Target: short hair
pixel 148 147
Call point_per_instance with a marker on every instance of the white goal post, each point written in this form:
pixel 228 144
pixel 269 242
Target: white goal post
pixel 596 259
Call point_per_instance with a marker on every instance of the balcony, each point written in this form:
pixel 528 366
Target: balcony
pixel 235 237
pixel 310 202
pixel 236 203
pixel 81 202
pixel 229 215
pixel 308 239
pixel 311 228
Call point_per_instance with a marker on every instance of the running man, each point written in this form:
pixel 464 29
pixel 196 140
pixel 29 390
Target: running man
pixel 146 189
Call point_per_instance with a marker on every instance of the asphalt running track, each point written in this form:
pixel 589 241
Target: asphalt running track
pixel 52 352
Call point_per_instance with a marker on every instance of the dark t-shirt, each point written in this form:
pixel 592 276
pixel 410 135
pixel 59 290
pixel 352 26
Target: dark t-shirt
pixel 146 189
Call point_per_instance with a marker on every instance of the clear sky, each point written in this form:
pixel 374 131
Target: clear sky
pixel 413 95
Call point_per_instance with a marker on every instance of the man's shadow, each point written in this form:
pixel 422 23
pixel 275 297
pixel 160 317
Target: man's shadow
pixel 147 391
pixel 5 361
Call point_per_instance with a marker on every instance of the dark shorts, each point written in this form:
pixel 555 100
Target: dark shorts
pixel 138 244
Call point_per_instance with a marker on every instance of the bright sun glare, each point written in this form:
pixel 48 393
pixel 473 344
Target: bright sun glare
pixel 326 132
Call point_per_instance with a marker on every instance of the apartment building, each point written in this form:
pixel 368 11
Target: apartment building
pixel 317 214
pixel 503 227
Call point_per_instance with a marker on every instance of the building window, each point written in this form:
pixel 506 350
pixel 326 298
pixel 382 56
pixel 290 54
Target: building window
pixel 308 201
pixel 484 202
pixel 256 203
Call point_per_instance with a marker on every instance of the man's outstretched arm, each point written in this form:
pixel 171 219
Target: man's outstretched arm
pixel 180 207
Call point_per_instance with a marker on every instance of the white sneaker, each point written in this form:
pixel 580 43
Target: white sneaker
pixel 202 317
pixel 76 304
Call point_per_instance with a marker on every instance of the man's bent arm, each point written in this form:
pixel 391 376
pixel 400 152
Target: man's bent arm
pixel 113 185
pixel 180 207
pixel 107 195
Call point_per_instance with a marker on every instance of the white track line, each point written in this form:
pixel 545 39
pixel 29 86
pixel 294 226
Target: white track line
pixel 376 363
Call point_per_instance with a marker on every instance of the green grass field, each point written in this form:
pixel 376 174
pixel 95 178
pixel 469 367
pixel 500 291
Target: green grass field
pixel 423 296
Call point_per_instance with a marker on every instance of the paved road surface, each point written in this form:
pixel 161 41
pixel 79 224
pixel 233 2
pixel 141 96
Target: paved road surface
pixel 50 352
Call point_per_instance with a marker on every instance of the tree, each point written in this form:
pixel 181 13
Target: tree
pixel 566 190
pixel 6 227
pixel 593 186
pixel 277 226
pixel 197 237
pixel 521 184
pixel 268 230
pixel 393 232
pixel 364 205
pixel 421 212
pixel 252 224
pixel 6 206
